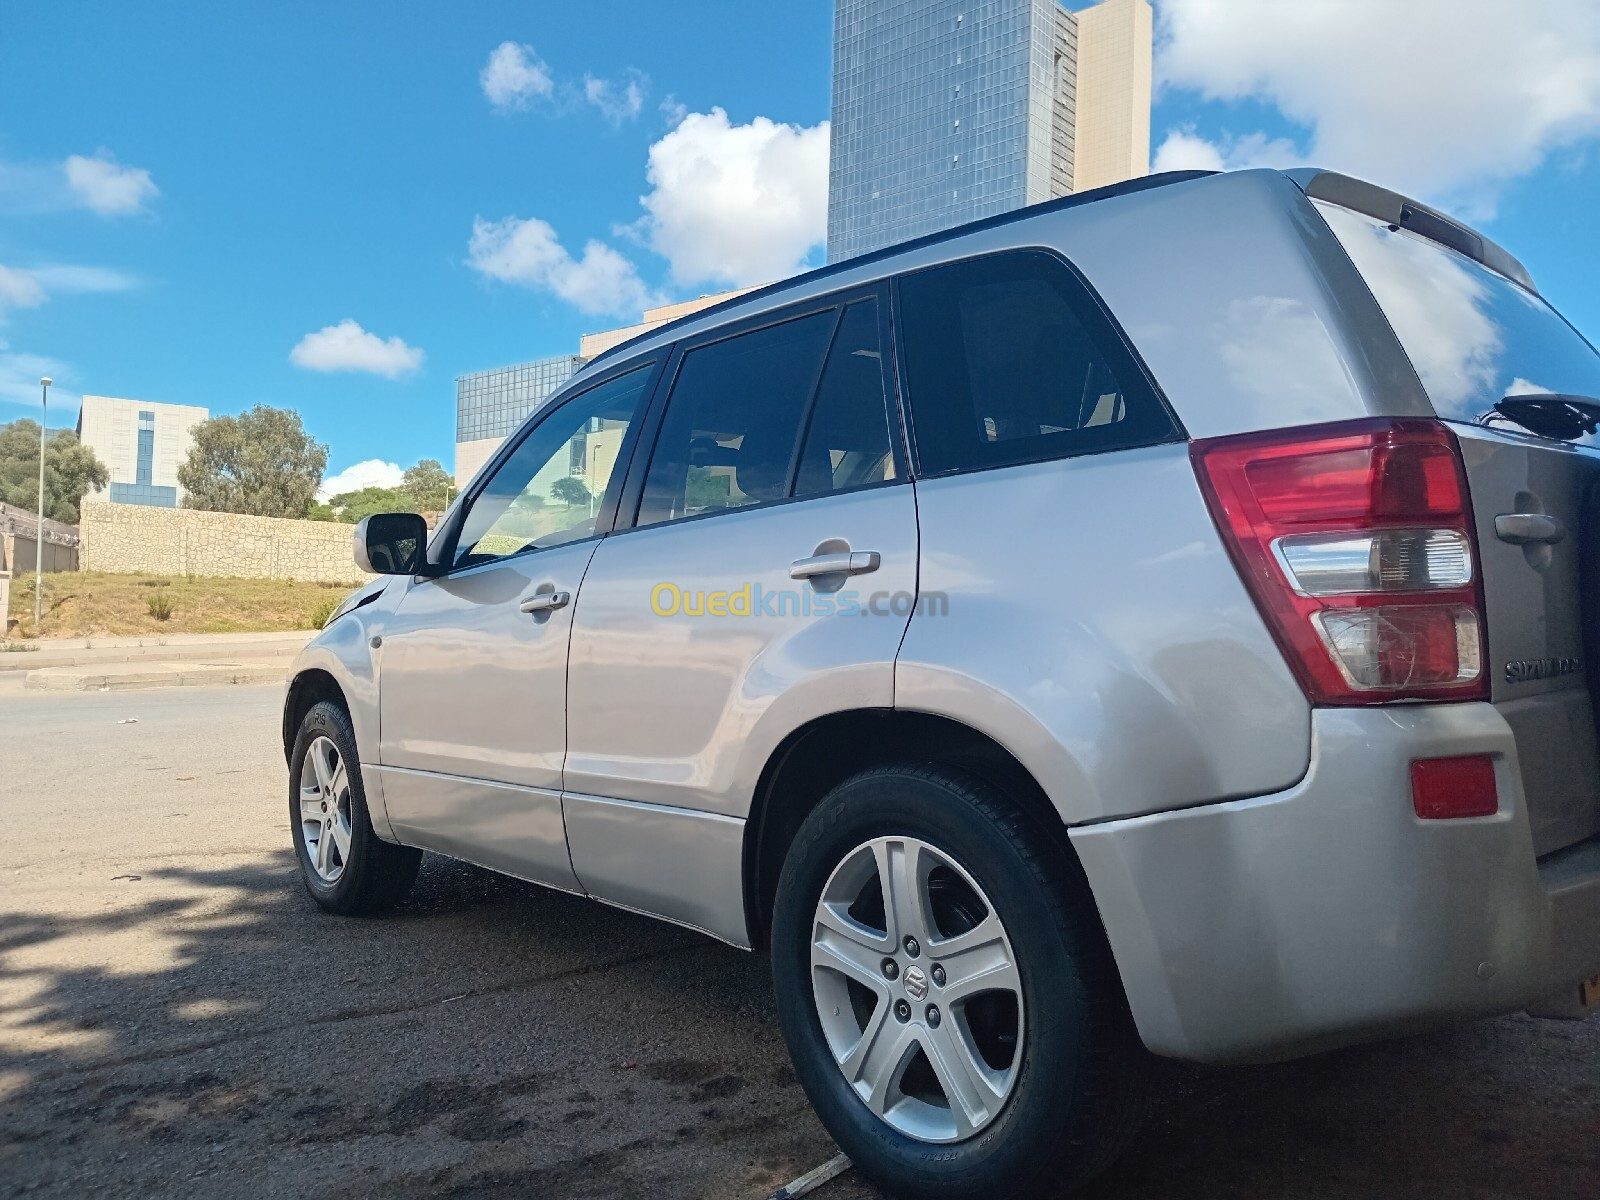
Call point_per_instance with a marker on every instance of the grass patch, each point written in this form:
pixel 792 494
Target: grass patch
pixel 89 603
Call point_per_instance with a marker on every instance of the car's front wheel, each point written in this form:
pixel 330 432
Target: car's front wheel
pixel 345 866
pixel 946 992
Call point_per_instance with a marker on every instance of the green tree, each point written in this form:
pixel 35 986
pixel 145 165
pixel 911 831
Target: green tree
pixel 428 485
pixel 261 462
pixel 569 489
pixel 352 506
pixel 70 470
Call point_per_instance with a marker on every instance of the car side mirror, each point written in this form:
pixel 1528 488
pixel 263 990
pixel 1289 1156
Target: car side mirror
pixel 391 543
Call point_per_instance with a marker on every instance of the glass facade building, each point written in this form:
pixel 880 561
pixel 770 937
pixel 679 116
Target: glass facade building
pixel 490 404
pixel 948 111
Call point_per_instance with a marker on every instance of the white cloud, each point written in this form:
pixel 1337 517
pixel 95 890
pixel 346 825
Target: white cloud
pixel 617 102
pixel 29 287
pixel 19 289
pixel 348 347
pixel 19 385
pixel 71 277
pixel 1444 102
pixel 736 204
pixel 1184 150
pixel 514 77
pixel 106 186
pixel 374 472
pixel 527 252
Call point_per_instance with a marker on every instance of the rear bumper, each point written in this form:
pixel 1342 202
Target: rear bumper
pixel 1329 913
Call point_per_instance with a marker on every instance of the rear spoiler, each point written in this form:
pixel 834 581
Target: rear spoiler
pixel 1394 209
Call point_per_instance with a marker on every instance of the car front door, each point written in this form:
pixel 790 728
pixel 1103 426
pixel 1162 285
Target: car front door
pixel 472 665
pixel 766 579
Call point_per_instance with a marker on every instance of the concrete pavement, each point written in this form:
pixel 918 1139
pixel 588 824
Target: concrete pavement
pixel 159 660
pixel 177 1019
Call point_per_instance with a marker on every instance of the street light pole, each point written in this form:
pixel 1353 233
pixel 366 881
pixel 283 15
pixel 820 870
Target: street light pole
pixel 38 539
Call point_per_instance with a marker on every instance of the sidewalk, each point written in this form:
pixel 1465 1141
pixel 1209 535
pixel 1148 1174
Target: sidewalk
pixel 155 660
pixel 169 647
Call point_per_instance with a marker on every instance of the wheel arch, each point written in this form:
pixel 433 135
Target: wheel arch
pixel 828 750
pixel 306 690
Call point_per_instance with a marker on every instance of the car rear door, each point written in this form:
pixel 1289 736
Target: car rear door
pixel 765 579
pixel 1477 338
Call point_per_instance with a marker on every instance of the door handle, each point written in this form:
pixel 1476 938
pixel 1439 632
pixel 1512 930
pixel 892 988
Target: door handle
pixel 545 602
pixel 1522 528
pixel 845 562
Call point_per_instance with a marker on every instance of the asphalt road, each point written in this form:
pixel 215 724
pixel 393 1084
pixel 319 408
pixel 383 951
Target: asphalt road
pixel 177 1019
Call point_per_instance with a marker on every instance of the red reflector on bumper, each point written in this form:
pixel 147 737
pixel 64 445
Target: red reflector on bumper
pixel 1444 788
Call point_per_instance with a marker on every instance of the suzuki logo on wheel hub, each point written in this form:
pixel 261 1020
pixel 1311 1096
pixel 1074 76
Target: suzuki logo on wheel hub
pixel 916 983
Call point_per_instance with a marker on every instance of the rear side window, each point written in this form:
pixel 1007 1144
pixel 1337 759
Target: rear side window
pixel 791 409
pixel 847 443
pixel 1008 359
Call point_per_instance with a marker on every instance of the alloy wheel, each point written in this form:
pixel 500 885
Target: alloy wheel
pixel 325 826
pixel 917 989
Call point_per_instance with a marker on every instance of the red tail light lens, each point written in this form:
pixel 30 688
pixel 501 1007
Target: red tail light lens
pixel 1356 541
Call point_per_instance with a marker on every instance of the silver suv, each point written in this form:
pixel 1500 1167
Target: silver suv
pixel 1158 620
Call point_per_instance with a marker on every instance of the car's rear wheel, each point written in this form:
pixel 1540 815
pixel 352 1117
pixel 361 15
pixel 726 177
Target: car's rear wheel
pixel 947 993
pixel 345 866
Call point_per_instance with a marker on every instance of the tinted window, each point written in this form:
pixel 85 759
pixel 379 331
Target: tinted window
pixel 733 420
pixel 550 488
pixel 1473 336
pixel 847 441
pixel 1008 360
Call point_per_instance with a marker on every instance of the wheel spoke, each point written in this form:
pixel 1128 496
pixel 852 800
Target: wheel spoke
pixel 338 779
pixel 849 948
pixel 976 961
pixel 324 847
pixel 319 763
pixel 341 837
pixel 966 1083
pixel 879 1063
pixel 310 804
pixel 903 881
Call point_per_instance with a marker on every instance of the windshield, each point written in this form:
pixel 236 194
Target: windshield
pixel 1473 336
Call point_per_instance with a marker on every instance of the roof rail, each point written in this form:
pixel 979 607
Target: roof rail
pixel 1394 209
pixel 1127 187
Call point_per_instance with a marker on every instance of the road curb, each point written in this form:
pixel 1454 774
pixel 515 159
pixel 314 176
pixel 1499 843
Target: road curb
pixel 156 675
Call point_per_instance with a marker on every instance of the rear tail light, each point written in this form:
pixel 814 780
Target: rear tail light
pixel 1356 542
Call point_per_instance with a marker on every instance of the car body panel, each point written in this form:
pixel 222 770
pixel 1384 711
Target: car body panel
pixel 472 714
pixel 675 863
pixel 1117 656
pixel 341 650
pixel 684 711
pixel 1330 913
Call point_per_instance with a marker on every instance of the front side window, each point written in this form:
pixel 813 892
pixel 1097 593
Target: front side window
pixel 1008 360
pixel 552 486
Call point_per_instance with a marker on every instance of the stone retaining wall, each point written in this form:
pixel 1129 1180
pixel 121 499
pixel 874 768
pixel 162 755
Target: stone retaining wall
pixel 136 538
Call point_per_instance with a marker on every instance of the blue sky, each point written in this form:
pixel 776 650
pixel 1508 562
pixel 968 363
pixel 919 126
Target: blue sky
pixel 186 200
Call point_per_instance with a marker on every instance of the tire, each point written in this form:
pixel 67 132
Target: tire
pixel 1071 1096
pixel 362 873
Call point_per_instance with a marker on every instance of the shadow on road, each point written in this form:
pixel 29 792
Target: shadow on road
pixel 210 1032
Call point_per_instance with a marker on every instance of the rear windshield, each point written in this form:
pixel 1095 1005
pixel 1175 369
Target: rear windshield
pixel 1473 336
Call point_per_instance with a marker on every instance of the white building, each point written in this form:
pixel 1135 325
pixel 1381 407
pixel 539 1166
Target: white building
pixel 142 444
